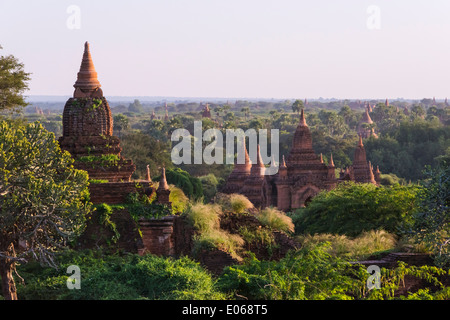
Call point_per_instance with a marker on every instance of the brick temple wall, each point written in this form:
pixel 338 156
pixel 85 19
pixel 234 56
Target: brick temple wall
pixel 117 192
pixel 158 236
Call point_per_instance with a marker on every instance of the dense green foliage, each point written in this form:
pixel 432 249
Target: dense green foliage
pixel 306 274
pixel 406 150
pixel 191 186
pixel 310 273
pixel 353 208
pixel 13 83
pixel 432 220
pixel 43 197
pixel 313 274
pixel 114 277
pixel 367 244
pixel 145 150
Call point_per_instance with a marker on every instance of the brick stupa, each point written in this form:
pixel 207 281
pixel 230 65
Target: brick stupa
pixel 88 137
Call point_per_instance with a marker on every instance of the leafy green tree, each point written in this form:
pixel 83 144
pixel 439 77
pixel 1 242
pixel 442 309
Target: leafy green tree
pixel 297 106
pixel 209 186
pixel 246 112
pixel 334 124
pixel 121 122
pixel 418 111
pixel 157 129
pixel 310 273
pixel 352 208
pixel 136 106
pixel 408 148
pixel 145 150
pixel 13 83
pixel 43 199
pixel 350 117
pixel 432 220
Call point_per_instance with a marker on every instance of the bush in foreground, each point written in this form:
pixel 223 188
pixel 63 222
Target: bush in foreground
pixel 116 277
pixel 351 209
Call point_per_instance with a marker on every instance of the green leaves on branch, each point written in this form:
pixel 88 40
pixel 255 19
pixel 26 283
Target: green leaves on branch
pixel 43 198
pixel 13 83
pixel 351 209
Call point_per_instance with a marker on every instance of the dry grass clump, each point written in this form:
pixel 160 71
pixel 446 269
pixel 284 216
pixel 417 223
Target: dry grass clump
pixel 361 247
pixel 236 203
pixel 204 217
pixel 240 203
pixel 206 220
pixel 276 220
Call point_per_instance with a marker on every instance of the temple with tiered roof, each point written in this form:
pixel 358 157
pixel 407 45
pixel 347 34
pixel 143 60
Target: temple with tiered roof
pixel 301 176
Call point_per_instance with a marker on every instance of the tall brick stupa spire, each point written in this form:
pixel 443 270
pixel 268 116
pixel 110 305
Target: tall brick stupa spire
pixel 87 83
pixel 88 128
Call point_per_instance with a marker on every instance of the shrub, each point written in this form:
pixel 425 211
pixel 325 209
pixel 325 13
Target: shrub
pixel 115 277
pixel 234 202
pixel 105 211
pixel 104 160
pixel 352 208
pixel 276 220
pixel 240 203
pixel 209 186
pixel 361 247
pixel 148 277
pixel 205 218
pixel 431 225
pixel 310 273
pixel 191 186
pixel 178 199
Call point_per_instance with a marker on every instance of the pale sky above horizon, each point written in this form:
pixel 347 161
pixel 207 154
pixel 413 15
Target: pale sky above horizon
pixel 236 49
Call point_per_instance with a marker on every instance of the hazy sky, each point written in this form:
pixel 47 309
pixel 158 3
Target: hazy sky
pixel 230 48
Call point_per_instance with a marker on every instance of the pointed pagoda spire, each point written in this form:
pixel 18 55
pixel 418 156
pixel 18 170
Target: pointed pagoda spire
pixel 371 175
pixel 373 134
pixel 360 143
pixel 366 117
pixel 247 163
pixel 273 163
pixel 87 76
pixel 163 182
pixel 283 163
pixel 147 174
pixel 247 158
pixel 331 164
pixel 386 102
pixel 258 167
pixel 302 119
pixel 259 161
pixel 282 169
